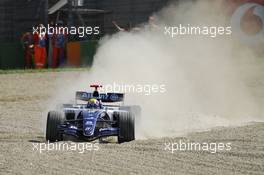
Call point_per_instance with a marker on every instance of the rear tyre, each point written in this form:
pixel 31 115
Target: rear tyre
pixel 54 119
pixel 135 110
pixel 126 125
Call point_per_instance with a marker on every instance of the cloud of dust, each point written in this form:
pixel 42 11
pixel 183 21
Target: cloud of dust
pixel 204 77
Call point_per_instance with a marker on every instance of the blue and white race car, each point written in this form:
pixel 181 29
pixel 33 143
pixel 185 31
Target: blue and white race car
pixel 94 119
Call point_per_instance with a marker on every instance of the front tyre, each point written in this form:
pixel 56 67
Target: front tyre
pixel 54 119
pixel 126 125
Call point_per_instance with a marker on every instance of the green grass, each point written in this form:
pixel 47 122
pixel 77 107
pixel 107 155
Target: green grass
pixel 15 71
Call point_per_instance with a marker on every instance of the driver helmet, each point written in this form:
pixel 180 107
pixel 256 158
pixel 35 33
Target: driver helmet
pixel 93 103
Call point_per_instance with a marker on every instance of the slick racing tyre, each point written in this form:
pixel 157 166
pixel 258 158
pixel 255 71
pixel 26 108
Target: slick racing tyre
pixel 126 125
pixel 54 119
pixel 135 110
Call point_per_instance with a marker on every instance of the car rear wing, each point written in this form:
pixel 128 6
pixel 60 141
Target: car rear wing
pixel 104 97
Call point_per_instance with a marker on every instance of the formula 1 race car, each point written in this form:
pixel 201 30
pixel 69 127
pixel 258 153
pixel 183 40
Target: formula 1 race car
pixel 94 119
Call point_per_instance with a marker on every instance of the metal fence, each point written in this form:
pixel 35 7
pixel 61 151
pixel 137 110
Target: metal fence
pixel 17 17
